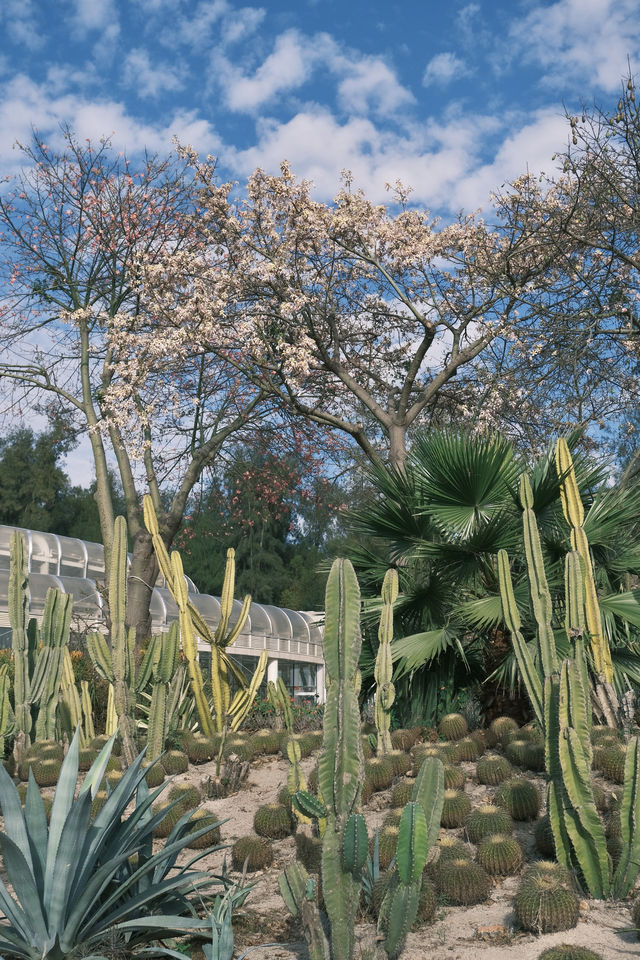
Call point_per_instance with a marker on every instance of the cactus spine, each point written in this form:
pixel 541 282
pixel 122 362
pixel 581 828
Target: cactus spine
pixel 385 690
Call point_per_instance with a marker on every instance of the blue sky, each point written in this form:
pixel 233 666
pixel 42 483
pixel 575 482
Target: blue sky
pixel 451 98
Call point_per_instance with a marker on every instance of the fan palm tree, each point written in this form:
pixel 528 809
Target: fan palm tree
pixel 441 522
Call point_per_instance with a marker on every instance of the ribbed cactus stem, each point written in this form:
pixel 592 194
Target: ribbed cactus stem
pixel 122 642
pixel 530 672
pixel 70 701
pixel 164 652
pixel 341 763
pixel 539 588
pixel 47 675
pixel 190 646
pixel 20 641
pixel 6 714
pixel 385 690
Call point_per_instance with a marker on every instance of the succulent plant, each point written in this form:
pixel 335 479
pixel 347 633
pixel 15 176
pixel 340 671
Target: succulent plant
pixel 615 847
pixel 635 915
pixel 613 824
pixel 463 882
pixel 612 764
pixel 392 818
pixel 600 731
pixel 451 848
pixel 485 820
pixel 164 827
pixel 489 737
pixel 511 736
pixel 454 778
pixel 500 854
pixel 400 761
pixel 45 749
pixel 519 797
pixel 366 792
pixel 569 951
pixel 493 770
pixel 155 773
pixel 427 898
pixel 549 868
pixel 401 793
pixel 543 834
pixel 453 726
pixel 198 820
pixel 543 904
pixel 85 758
pixel 256 851
pixel 515 751
pixel 201 749
pixel 309 851
pixel 267 742
pixel 456 808
pixel 187 794
pixel 367 749
pixel 306 743
pixel 174 761
pixel 284 797
pixel 404 739
pixel 387 844
pixel 534 756
pixel 46 772
pixel 600 797
pixel 98 802
pixel 113 777
pixel 272 820
pixel 468 748
pixel 379 772
pixel 240 747
pixel 503 725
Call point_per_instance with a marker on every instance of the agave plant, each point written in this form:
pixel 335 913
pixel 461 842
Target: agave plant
pixel 81 880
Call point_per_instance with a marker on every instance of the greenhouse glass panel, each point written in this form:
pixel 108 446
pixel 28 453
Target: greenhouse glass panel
pixel 73 557
pixel 280 621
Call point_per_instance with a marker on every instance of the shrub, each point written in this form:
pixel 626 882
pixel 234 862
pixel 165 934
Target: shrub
pixel 569 951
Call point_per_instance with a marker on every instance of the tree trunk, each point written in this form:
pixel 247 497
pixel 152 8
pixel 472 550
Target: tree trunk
pixel 143 574
pixel 398 445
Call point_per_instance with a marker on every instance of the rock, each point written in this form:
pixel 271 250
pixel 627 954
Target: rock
pixel 491 931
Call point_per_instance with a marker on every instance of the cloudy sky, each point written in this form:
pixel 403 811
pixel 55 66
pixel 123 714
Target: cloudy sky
pixel 451 98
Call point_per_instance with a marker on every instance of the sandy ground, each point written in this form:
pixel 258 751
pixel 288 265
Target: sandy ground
pixel 452 936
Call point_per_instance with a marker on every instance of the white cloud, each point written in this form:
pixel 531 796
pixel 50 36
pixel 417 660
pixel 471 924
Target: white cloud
pixel 148 80
pixel 370 85
pixel 90 15
pixel 586 40
pixel 19 19
pixel 443 68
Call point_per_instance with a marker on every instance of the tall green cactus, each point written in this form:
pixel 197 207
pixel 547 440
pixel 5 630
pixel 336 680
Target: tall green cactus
pixel 47 674
pixel 23 636
pixel 385 691
pixel 341 762
pixel 7 719
pixel 163 654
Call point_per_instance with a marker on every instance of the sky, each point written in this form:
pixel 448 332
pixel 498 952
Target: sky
pixel 453 99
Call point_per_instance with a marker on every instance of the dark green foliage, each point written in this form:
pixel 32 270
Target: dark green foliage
pixel 545 844
pixel 614 849
pixel 312 780
pixel 493 770
pixel 453 726
pixel 463 882
pixel 272 820
pixel 455 809
pixel 284 797
pixel 454 778
pixel 427 901
pixel 485 820
pixel 515 751
pixel 468 748
pixel 519 797
pixel 600 797
pixel 489 737
pixel 174 761
pixel 257 851
pixel 534 756
pixel 98 802
pixel 500 855
pixel 309 851
pixel 543 904
pixel 569 951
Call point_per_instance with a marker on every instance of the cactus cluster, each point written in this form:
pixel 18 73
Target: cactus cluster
pixel 486 820
pixel 493 770
pixel 519 797
pixel 251 853
pixel 500 854
pixel 463 882
pixel 272 820
pixel 544 904
pixel 453 726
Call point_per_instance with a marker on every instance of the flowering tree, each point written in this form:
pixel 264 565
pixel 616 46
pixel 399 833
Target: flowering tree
pixel 362 318
pixel 75 331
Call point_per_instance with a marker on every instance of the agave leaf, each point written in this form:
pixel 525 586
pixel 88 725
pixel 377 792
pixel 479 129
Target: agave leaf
pixel 62 801
pixel 22 880
pixel 14 823
pixel 67 863
pixel 81 920
pixel 36 822
pixel 94 775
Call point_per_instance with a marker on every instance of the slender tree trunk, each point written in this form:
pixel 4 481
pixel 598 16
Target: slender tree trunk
pixel 143 574
pixel 398 445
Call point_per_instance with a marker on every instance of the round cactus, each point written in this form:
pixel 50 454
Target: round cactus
pixel 522 733
pixel 569 951
pixel 113 778
pixel 175 761
pixel 534 758
pixel 201 749
pixel 612 764
pixel 272 820
pixel 380 772
pixel 468 749
pixel 600 797
pixel 367 749
pixel 366 792
pixel 635 915
pixel 45 750
pixel 453 726
pixel 309 851
pixel 613 824
pixel 393 817
pixel 306 744
pixel 515 751
pixel 400 760
pixel 502 725
pixel 614 849
pixel 548 868
pixel 198 820
pixel 519 797
pixel 600 732
pixel 46 772
pixel 545 844
pixel 485 738
pixel 493 770
pixel 255 851
pixel 427 899
pixel 267 742
pixel 404 739
pixel 463 882
pixel 98 802
pixel 485 820
pixel 188 795
pixel 240 747
pixel 455 809
pixel 86 758
pixel 387 843
pixel 543 904
pixel 454 778
pixel 164 827
pixel 155 773
pixel 401 793
pixel 500 854
pixel 284 797
pixel 450 848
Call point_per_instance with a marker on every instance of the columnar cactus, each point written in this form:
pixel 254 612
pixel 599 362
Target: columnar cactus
pixel 163 654
pixel 47 674
pixel 23 636
pixel 385 691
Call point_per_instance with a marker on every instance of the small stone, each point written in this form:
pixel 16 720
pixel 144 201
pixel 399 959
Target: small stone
pixel 584 906
pixel 491 931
